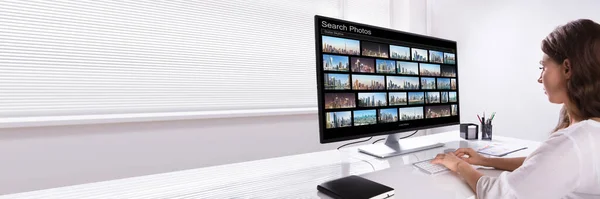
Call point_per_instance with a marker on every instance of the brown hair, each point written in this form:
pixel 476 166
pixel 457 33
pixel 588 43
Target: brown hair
pixel 563 119
pixel 579 42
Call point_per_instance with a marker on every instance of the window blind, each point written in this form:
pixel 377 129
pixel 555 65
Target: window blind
pixel 63 58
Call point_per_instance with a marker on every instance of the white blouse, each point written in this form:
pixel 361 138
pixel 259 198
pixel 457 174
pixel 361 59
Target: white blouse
pixel 567 165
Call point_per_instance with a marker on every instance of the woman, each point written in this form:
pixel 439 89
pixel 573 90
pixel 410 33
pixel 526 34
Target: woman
pixel 567 165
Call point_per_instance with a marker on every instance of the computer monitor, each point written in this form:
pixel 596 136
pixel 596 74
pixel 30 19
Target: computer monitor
pixel 377 81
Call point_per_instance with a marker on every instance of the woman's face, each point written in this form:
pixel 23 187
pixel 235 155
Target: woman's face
pixel 554 78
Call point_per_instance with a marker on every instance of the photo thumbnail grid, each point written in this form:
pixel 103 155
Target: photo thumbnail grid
pixel 380 79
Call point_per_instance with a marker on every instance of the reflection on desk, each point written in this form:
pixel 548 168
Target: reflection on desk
pixel 294 176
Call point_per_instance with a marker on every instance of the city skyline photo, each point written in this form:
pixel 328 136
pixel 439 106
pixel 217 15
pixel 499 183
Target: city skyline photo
pixel 399 52
pixel 432 97
pixel 436 57
pixel 372 99
pixel 452 97
pixel 443 83
pixel 454 108
pixel 368 82
pixel 437 111
pixel 372 49
pixel 388 115
pixel 419 55
pixel 397 98
pixel 427 83
pixel 402 83
pixel 448 71
pixel 365 117
pixel 340 45
pixel 416 98
pixel 429 69
pixel 362 65
pixel 444 97
pixel 411 113
pixel 407 68
pixel 338 119
pixel 453 84
pixel 335 63
pixel 339 100
pixel 337 81
pixel 449 58
pixel 386 66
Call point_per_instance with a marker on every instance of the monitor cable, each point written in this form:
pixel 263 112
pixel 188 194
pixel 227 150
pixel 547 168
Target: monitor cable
pixel 398 139
pixel 378 140
pixel 373 167
pixel 409 135
pixel 354 143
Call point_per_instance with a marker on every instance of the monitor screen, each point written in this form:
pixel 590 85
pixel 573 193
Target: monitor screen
pixel 375 81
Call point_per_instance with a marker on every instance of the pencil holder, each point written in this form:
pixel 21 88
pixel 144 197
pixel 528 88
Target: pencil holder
pixel 486 131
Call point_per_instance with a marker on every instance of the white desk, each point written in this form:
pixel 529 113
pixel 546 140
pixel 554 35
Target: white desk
pixel 294 176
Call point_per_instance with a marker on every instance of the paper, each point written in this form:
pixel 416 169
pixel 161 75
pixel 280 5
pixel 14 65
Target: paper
pixel 499 150
pixel 471 132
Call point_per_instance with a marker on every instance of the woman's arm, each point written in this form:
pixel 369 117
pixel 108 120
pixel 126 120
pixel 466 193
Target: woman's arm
pixel 473 157
pixel 507 164
pixel 469 174
pixel 555 167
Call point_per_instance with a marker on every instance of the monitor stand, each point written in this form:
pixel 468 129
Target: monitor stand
pixel 394 146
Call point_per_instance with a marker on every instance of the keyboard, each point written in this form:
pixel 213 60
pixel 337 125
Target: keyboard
pixel 430 168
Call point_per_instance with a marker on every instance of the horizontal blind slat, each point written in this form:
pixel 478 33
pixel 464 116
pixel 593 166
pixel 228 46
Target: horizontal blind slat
pixel 89 57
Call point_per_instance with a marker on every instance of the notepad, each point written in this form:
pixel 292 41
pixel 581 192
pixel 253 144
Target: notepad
pixel 500 149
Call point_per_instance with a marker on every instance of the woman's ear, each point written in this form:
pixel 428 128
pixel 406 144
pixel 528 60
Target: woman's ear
pixel 567 68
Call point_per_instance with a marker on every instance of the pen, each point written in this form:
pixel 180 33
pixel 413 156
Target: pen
pixel 479 118
pixel 485 147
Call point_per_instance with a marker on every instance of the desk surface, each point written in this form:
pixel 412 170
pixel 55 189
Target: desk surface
pixel 294 176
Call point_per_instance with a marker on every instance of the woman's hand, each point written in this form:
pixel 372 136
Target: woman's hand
pixel 449 160
pixel 462 168
pixel 473 157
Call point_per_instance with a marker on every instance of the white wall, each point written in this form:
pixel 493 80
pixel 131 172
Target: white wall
pixel 498 54
pixel 376 13
pixel 46 157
